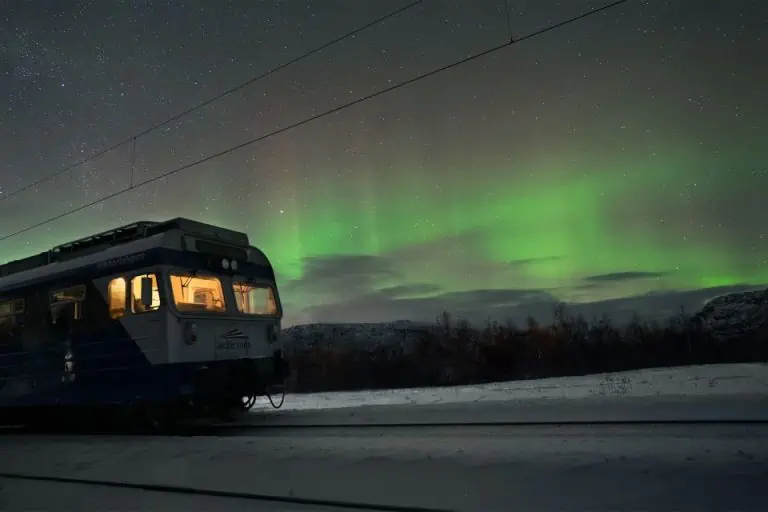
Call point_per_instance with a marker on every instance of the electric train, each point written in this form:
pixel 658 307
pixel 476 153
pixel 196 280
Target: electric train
pixel 175 316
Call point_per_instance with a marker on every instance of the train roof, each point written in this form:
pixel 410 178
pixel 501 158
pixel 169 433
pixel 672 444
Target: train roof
pixel 114 243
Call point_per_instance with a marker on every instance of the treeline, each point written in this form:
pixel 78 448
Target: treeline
pixel 457 353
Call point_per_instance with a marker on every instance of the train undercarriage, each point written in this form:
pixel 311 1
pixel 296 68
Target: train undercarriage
pixel 218 392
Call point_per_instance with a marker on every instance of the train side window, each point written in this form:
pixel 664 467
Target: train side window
pixel 116 292
pixel 136 305
pixel 8 311
pixel 71 294
pixel 11 307
pixel 75 294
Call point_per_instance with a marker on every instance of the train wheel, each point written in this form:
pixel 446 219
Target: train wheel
pixel 234 409
pixel 248 402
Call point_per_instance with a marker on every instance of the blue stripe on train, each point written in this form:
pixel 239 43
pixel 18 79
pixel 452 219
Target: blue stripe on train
pixel 109 371
pixel 99 368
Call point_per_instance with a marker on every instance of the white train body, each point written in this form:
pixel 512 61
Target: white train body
pixel 177 312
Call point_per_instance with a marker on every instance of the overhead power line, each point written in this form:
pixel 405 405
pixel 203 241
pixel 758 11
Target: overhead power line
pixel 318 116
pixel 132 138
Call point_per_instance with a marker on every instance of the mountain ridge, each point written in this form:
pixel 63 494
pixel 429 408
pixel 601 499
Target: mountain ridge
pixel 727 317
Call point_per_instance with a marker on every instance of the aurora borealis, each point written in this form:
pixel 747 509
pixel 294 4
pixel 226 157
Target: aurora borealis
pixel 618 163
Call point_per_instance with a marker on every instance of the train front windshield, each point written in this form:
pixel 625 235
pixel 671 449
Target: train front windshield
pixel 253 299
pixel 195 293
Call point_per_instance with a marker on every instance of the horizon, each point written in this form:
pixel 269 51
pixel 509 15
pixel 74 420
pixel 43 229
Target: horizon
pixel 571 312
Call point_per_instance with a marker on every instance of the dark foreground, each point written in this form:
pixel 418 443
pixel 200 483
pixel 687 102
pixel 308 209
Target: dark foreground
pixel 696 467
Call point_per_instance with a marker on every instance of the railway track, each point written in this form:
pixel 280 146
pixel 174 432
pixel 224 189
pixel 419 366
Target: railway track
pixel 360 464
pixel 243 428
pixel 256 497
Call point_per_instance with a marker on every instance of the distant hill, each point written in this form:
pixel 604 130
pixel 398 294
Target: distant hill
pixel 729 317
pixel 736 316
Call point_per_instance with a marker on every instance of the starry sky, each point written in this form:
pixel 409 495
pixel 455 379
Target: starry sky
pixel 618 163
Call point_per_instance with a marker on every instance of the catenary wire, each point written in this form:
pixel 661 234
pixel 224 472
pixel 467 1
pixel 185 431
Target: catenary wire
pixel 198 106
pixel 326 113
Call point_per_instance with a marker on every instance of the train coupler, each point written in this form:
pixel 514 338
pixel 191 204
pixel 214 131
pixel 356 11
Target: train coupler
pixel 275 389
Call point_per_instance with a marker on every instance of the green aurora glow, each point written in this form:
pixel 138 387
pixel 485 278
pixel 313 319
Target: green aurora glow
pixel 549 228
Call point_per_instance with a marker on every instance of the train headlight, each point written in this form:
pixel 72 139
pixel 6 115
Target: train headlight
pixel 233 265
pixel 225 263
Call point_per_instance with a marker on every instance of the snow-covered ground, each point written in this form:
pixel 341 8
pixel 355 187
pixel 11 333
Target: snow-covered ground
pixel 724 379
pixel 478 468
pixel 563 468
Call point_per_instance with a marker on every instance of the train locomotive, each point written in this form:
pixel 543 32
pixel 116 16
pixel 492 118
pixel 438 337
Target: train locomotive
pixel 176 316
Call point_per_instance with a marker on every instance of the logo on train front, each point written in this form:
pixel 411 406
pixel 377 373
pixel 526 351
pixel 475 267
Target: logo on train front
pixel 233 339
pixel 234 334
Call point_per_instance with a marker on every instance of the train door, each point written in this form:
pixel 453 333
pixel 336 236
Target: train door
pixel 66 344
pixel 127 360
pixel 11 348
pixel 144 320
pixel 67 324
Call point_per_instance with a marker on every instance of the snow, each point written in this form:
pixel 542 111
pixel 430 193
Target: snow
pixel 477 468
pixel 724 379
pixel 36 495
pixel 471 469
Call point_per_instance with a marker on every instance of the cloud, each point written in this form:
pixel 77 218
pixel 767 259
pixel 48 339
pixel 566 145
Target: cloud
pixel 410 290
pixel 534 261
pixel 467 253
pixel 475 305
pixel 342 275
pixel 468 300
pixel 479 306
pixel 623 276
pixel 365 288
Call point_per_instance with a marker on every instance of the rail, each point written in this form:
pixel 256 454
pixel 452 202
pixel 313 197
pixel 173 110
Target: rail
pixel 174 489
pixel 192 430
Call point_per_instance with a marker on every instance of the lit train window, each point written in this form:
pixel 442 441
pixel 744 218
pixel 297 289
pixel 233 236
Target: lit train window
pixel 8 311
pixel 254 300
pixel 197 293
pixel 136 305
pixel 71 294
pixel 116 292
pixel 11 307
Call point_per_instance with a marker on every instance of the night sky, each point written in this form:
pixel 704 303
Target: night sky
pixel 619 163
